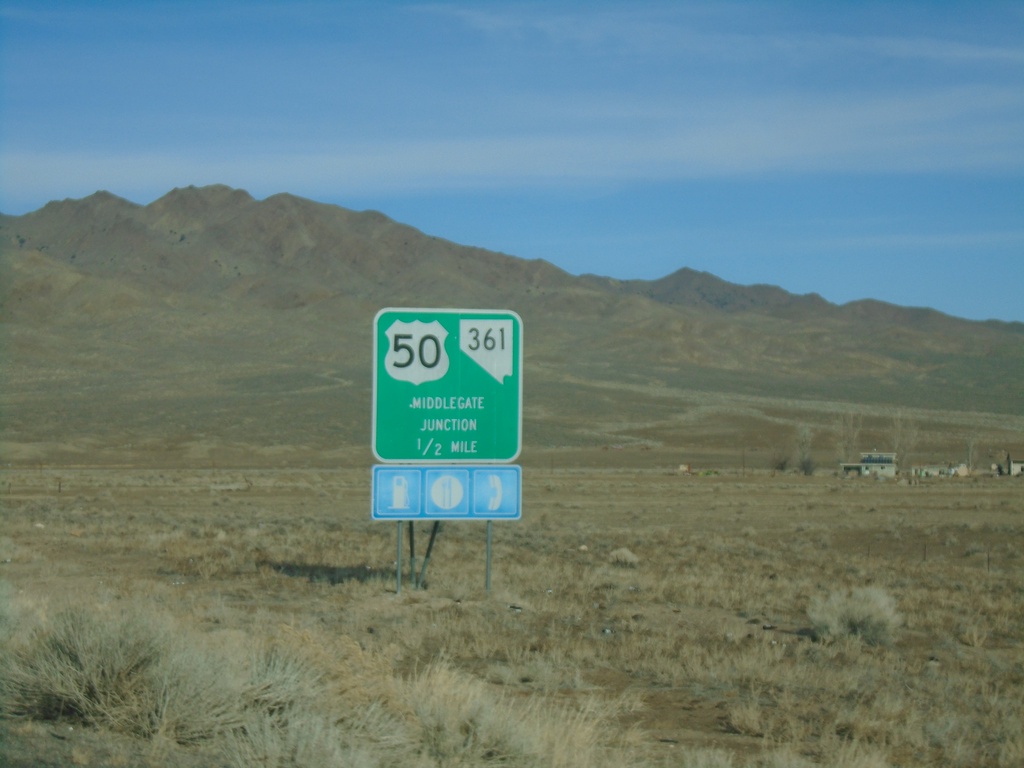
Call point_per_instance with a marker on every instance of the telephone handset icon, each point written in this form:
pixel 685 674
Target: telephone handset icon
pixel 495 501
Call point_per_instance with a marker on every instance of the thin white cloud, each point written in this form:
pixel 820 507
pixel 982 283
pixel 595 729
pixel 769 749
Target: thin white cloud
pixel 927 48
pixel 655 29
pixel 982 241
pixel 740 139
pixel 954 130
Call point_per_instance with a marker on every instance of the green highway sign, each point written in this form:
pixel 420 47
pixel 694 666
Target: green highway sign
pixel 447 385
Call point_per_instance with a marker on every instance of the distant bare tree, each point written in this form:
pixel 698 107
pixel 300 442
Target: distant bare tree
pixel 847 433
pixel 971 450
pixel 905 434
pixel 804 439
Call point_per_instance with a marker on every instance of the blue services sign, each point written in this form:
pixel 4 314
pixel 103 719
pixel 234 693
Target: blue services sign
pixel 457 492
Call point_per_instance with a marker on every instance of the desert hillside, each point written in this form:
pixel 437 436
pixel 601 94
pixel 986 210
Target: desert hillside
pixel 209 326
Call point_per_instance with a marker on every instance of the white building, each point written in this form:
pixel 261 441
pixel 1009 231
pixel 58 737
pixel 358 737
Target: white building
pixel 873 463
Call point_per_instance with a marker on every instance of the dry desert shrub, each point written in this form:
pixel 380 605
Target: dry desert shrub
pixel 309 740
pixel 623 557
pixel 463 722
pixel 865 612
pixel 125 672
pixel 745 717
pixel 320 735
pixel 315 700
pixel 342 670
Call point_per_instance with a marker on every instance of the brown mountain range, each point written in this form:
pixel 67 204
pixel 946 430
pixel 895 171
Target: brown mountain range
pixel 208 324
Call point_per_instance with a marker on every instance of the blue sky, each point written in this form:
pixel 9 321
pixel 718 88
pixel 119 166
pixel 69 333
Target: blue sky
pixel 852 149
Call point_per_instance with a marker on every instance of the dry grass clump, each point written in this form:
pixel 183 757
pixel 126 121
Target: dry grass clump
pixel 865 612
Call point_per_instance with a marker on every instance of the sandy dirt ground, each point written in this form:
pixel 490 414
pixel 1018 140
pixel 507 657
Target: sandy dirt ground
pixel 231 550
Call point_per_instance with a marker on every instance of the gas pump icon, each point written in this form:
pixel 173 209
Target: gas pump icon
pixel 399 493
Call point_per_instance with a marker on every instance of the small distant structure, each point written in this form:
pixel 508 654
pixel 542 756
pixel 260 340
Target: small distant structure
pixel 1014 468
pixel 879 464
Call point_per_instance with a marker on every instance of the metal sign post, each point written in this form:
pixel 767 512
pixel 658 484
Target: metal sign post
pixel 487 577
pixel 426 557
pixel 398 562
